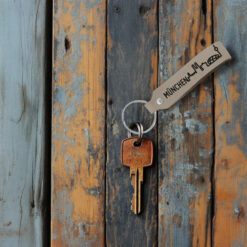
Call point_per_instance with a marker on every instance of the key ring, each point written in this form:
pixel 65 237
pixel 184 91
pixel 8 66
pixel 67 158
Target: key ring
pixel 140 134
pixel 133 131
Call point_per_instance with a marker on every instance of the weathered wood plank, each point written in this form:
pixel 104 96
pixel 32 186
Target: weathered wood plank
pixel 185 131
pixel 78 121
pixel 132 74
pixel 22 123
pixel 230 224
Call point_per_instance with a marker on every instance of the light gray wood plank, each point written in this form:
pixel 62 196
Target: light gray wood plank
pixel 22 128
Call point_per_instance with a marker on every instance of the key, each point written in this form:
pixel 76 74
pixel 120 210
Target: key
pixel 136 158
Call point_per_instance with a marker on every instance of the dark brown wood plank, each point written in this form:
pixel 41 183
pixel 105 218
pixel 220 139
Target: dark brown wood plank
pixel 131 74
pixel 185 130
pixel 230 222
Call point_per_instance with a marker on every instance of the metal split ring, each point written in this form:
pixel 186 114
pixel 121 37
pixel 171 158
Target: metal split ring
pixel 140 130
pixel 133 131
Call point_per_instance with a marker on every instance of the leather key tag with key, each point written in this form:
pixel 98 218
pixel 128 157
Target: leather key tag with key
pixel 136 157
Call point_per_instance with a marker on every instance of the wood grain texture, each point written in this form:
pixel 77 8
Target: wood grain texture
pixel 185 130
pixel 131 74
pixel 230 223
pixel 78 120
pixel 22 123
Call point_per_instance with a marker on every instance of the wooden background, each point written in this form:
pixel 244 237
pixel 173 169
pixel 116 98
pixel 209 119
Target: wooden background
pixel 61 179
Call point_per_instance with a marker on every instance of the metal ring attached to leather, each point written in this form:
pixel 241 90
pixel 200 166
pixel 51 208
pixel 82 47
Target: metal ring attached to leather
pixel 133 131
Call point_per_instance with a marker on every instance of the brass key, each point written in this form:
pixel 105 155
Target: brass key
pixel 136 157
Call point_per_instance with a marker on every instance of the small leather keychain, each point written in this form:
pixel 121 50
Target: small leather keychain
pixel 137 152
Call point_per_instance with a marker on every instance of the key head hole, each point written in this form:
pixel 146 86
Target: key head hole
pixel 137 144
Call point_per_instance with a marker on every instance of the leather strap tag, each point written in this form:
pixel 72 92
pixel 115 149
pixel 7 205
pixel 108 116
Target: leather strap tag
pixel 188 77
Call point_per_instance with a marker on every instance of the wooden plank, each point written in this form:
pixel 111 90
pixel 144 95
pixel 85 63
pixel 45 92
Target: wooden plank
pixel 22 124
pixel 230 224
pixel 185 130
pixel 132 74
pixel 78 121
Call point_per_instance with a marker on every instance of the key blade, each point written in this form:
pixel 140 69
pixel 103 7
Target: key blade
pixel 134 183
pixel 136 175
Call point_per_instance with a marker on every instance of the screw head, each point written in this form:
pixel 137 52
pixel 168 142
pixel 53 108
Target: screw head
pixel 159 101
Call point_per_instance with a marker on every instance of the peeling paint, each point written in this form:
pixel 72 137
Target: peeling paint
pixel 115 129
pixel 195 127
pixel 92 3
pixel 86 132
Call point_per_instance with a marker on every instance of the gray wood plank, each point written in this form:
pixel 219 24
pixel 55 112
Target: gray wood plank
pixel 22 122
pixel 185 130
pixel 131 74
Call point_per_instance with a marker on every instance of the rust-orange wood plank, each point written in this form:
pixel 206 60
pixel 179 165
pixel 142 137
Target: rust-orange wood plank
pixel 78 121
pixel 230 222
pixel 185 130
